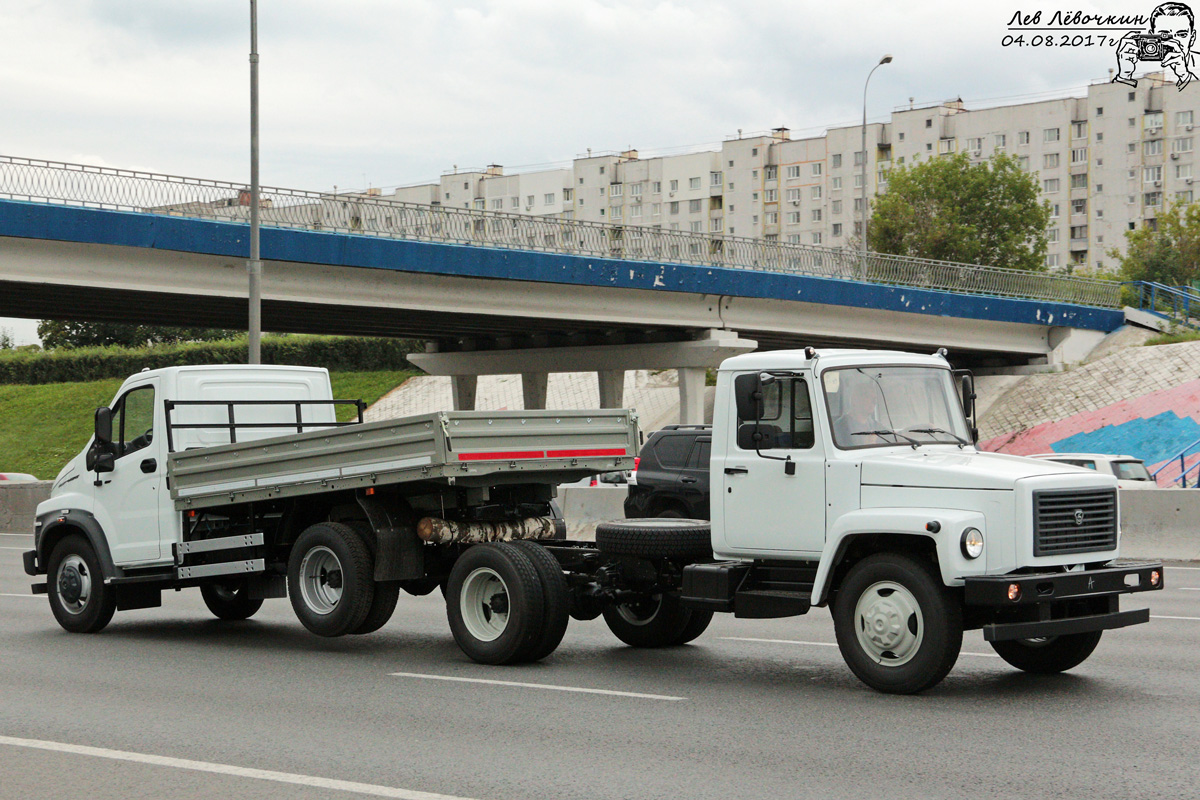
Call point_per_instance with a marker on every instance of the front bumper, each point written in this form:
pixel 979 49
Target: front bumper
pixel 1059 603
pixel 30 559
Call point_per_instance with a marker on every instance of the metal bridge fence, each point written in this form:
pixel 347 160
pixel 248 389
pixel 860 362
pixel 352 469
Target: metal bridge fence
pixel 38 181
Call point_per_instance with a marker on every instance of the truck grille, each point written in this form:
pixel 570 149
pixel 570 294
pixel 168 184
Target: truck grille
pixel 1074 521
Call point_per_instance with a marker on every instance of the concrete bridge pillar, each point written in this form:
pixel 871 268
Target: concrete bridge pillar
pixel 533 387
pixel 463 391
pixel 691 394
pixel 612 387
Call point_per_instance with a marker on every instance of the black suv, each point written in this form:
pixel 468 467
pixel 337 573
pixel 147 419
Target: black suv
pixel 672 474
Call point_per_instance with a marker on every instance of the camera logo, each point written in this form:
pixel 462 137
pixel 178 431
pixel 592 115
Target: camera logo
pixel 1170 41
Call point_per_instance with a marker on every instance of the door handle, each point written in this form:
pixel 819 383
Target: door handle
pixel 736 470
pixel 687 480
pixel 149 465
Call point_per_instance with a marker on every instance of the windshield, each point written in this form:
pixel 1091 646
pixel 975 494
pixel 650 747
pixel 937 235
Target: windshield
pixel 1131 471
pixel 885 406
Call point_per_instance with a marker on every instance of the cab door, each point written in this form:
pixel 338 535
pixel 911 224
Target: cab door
pixel 128 498
pixel 766 510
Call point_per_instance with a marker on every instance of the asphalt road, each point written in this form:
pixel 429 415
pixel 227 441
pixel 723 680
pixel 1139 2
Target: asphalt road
pixel 181 705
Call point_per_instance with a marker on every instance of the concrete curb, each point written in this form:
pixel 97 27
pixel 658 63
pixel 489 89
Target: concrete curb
pixel 18 502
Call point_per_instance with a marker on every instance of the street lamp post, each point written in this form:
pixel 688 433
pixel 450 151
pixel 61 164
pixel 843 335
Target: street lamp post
pixel 255 264
pixel 887 59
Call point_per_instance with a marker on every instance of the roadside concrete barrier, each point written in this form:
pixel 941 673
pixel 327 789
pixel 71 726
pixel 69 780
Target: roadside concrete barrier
pixel 18 501
pixel 584 506
pixel 1161 523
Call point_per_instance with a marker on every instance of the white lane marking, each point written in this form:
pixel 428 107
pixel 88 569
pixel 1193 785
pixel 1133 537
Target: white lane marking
pixel 16 534
pixel 228 769
pixel 6 594
pixel 1193 619
pixel 824 644
pixel 8 547
pixel 1188 588
pixel 552 687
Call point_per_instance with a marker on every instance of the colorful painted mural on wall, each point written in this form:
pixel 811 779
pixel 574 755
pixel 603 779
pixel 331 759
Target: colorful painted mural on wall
pixel 1155 428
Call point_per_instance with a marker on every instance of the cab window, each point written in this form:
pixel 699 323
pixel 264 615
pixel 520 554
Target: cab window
pixel 787 416
pixel 133 420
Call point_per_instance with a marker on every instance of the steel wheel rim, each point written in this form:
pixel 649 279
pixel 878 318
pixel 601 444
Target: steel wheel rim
pixel 889 624
pixel 73 574
pixel 321 577
pixel 642 613
pixel 484 604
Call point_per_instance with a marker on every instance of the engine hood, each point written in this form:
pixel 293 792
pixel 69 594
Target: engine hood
pixel 941 469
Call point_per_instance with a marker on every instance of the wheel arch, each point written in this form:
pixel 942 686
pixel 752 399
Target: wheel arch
pixel 57 526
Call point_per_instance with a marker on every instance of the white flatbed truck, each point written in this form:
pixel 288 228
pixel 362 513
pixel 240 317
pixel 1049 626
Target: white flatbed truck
pixel 893 519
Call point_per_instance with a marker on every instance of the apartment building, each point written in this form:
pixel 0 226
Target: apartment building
pixel 1107 162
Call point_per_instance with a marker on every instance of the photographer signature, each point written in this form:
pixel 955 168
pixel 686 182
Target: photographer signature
pixel 1170 40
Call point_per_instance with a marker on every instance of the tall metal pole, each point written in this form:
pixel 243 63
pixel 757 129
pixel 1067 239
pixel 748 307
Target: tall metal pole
pixel 255 265
pixel 863 249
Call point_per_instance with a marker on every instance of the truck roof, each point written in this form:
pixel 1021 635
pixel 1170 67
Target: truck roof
pixel 166 371
pixel 825 358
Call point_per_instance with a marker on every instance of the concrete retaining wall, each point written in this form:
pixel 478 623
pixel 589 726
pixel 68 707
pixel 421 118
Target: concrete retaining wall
pixel 18 502
pixel 584 506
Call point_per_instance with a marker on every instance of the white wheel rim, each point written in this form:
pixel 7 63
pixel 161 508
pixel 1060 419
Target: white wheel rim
pixel 73 573
pixel 321 578
pixel 484 604
pixel 641 613
pixel 889 624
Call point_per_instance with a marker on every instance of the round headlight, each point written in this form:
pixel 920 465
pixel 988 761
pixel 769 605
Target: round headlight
pixel 972 543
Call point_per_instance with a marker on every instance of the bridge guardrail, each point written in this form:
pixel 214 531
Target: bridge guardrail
pixel 34 180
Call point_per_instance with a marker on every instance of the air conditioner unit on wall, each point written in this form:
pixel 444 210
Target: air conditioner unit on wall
pixel 1189 127
pixel 1174 156
pixel 1157 184
pixel 1188 181
pixel 1152 131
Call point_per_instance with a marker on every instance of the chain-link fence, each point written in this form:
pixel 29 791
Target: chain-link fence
pixel 38 181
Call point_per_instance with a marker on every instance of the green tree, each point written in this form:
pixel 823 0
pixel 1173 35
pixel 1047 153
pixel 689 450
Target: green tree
pixel 1168 252
pixel 951 209
pixel 66 334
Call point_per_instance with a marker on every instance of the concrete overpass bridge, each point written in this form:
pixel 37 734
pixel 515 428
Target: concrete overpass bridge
pixel 496 293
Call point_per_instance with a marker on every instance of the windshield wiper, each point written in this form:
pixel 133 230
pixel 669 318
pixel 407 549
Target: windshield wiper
pixel 961 441
pixel 915 443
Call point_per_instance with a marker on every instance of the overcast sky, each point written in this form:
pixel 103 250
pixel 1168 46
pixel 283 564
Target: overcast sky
pixel 389 92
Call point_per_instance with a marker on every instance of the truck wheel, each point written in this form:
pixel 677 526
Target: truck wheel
pixel 383 605
pixel 556 596
pixel 656 537
pixel 330 579
pixel 79 598
pixel 898 628
pixel 697 625
pixel 657 621
pixel 494 603
pixel 230 600
pixel 1050 655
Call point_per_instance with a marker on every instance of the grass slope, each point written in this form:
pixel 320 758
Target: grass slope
pixel 42 427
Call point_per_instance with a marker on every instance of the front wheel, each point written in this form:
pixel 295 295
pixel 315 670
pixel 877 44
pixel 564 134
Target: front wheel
pixel 79 598
pixel 899 630
pixel 230 600
pixel 656 621
pixel 1050 655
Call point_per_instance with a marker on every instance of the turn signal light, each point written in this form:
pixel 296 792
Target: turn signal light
pixel 1014 592
pixel 1155 578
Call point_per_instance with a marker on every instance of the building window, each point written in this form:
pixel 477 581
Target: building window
pixel 1022 137
pixel 836 182
pixel 858 205
pixel 754 151
pixel 1099 213
pixel 1183 145
pixel 816 215
pixel 1079 130
pixel 674 186
pixel 1079 206
pixel 1054 211
pixel 1078 232
pixel 1152 174
pixel 615 212
pixel 548 199
pixel 858 228
pixel 835 207
pixel 716 224
pixel 770 173
pixel 975 144
pixel 837 160
pixel 1079 155
pixel 514 202
pixel 947 146
pixel 793 217
pixel 715 178
pixel 754 197
pixel 693 206
pixel 815 193
pixel 566 195
pixel 656 209
pixel 1183 170
pixel 793 195
pixel 858 180
pixel 771 218
pixel 1131 147
pixel 479 203
pixel 616 190
pixel 1052 260
pixel 928 147
pixel 1000 141
pixel 1184 197
pixel 1050 135
pixel 1099 188
pixel 770 195
pixel 1023 163
pixel 860 158
pixel 1153 198
pixel 793 171
pixel 1052 235
pixel 929 122
pixel 1154 147
pixel 635 210
pixel 1099 111
pixel 816 237
pixel 793 238
pixel 1050 185
pixel 1184 117
pixel 693 183
pixel 1079 181
pixel 498 204
pixel 635 189
pixel 1099 137
pixel 816 168
pixel 902 136
pixel 656 187
pixel 1154 119
pixel 1050 161
pixel 837 229
pixel 673 207
pixel 696 226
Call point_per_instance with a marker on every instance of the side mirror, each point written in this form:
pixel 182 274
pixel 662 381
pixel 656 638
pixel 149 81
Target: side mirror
pixel 748 394
pixel 104 425
pixel 100 458
pixel 967 389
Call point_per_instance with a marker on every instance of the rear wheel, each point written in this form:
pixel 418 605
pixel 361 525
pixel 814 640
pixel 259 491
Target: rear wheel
pixel 1049 655
pixel 655 621
pixel 556 609
pixel 383 605
pixel 230 599
pixel 330 579
pixel 494 603
pixel 79 598
pixel 898 628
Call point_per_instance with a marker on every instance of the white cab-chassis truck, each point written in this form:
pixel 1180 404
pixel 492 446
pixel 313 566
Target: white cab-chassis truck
pixel 846 479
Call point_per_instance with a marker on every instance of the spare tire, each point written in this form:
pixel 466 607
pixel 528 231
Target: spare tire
pixel 656 537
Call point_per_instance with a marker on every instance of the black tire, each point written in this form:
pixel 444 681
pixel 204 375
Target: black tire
pixel 1051 655
pixel 658 621
pixel 917 620
pixel 494 603
pixel 335 596
pixel 383 605
pixel 695 626
pixel 656 537
pixel 556 599
pixel 230 600
pixel 79 598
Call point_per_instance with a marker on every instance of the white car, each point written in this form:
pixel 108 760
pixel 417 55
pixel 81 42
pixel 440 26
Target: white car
pixel 1130 472
pixel 16 477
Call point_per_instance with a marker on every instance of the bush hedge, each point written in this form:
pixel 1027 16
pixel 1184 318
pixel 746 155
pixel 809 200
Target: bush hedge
pixel 335 353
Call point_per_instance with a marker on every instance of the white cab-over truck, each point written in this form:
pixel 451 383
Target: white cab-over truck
pixel 846 479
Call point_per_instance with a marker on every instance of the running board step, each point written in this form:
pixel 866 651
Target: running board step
pixel 769 603
pixel 224 568
pixel 224 543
